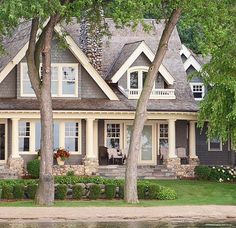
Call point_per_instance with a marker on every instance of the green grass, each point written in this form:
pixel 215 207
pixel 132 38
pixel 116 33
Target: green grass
pixel 189 193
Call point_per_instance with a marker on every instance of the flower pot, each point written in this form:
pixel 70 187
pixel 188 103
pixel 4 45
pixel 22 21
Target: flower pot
pixel 60 161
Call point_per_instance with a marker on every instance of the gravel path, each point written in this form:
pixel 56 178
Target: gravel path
pixel 192 213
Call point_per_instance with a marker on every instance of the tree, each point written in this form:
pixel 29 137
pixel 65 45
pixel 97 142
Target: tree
pixel 207 15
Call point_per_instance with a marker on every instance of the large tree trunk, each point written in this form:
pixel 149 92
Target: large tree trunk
pixel 141 111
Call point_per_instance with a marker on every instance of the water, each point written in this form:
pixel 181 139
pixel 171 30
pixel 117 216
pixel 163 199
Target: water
pixel 127 224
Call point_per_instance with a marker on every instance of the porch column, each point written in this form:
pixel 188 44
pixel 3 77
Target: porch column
pixel 171 139
pixel 15 137
pixel 192 140
pixel 90 153
pixel 95 138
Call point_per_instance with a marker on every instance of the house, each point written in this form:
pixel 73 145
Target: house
pixel 95 87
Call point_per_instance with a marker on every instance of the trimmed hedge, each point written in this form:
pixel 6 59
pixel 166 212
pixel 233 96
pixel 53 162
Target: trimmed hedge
pixel 7 192
pixel 121 191
pixel 33 168
pixel 94 191
pixel 61 191
pixel 110 191
pixel 202 172
pixel 77 191
pixel 153 190
pixel 31 191
pixel 166 194
pixel 142 190
pixel 19 191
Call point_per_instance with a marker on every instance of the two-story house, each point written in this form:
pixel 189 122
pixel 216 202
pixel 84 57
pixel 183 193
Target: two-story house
pixel 95 87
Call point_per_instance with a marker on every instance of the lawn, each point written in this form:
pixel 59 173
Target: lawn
pixel 189 193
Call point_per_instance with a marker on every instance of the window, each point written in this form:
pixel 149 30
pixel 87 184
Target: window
pixel 163 137
pixel 198 90
pixel 113 135
pixel 214 144
pixel 64 80
pixel 24 136
pixel 71 136
pixel 137 77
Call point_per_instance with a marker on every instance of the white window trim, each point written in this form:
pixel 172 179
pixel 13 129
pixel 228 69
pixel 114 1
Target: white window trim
pixel 209 146
pixel 6 140
pixel 158 135
pixel 30 137
pixel 60 76
pixel 61 136
pixel 198 84
pixel 121 131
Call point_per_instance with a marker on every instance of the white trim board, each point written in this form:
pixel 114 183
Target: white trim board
pixel 142 48
pixel 78 53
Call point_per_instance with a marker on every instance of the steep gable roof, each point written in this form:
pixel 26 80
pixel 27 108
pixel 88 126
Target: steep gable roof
pixel 8 62
pixel 129 53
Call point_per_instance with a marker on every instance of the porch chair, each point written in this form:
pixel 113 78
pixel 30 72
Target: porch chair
pixel 181 153
pixel 103 155
pixel 113 154
pixel 163 153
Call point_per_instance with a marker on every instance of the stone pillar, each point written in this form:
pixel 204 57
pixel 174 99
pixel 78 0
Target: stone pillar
pixel 15 161
pixel 91 158
pixel 193 158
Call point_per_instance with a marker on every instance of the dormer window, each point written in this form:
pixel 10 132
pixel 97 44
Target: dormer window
pixel 64 80
pixel 136 78
pixel 197 90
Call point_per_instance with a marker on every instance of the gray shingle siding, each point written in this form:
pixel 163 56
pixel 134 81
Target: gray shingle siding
pixel 8 85
pixel 206 157
pixel 181 134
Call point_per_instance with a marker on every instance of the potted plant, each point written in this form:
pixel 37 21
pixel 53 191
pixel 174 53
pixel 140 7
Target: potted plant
pixel 61 155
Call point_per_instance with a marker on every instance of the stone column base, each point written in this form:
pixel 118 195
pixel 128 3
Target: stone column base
pixel 194 161
pixel 16 165
pixel 172 163
pixel 90 166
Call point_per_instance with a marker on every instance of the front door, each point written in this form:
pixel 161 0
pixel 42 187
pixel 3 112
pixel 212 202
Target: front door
pixel 2 143
pixel 146 155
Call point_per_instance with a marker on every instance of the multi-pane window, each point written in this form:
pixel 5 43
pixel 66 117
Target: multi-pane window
pixel 71 136
pixel 113 136
pixel 163 137
pixel 24 136
pixel 198 90
pixel 134 80
pixel 64 80
pixel 214 144
pixel 137 78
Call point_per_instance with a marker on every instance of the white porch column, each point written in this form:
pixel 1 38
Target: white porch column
pixel 192 140
pixel 90 153
pixel 171 139
pixel 15 138
pixel 95 138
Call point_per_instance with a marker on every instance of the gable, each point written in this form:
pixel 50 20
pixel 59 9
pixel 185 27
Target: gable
pixel 141 49
pixel 77 53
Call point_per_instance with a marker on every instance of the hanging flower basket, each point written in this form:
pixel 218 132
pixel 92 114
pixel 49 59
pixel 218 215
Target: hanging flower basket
pixel 61 155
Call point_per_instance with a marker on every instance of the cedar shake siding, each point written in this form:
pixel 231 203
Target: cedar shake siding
pixel 206 157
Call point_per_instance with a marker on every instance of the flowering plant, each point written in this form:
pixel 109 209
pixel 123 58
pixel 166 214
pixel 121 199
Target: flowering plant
pixel 62 153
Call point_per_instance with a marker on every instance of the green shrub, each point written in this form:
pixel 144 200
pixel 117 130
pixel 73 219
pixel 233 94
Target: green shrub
pixel 202 172
pixel 13 182
pixel 121 191
pixel 77 191
pixel 142 189
pixel 110 191
pixel 33 168
pixel 94 191
pixel 31 190
pixel 166 194
pixel 70 173
pixel 7 192
pixel 18 191
pixel 153 190
pixel 61 191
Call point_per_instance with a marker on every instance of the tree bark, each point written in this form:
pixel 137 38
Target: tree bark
pixel 42 88
pixel 131 195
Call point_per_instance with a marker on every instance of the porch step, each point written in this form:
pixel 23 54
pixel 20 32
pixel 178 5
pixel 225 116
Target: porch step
pixel 144 172
pixel 6 173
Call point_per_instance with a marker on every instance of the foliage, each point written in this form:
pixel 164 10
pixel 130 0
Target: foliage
pixel 61 191
pixel 94 191
pixel 13 182
pixel 142 190
pixel 166 194
pixel 33 168
pixel 202 172
pixel 121 191
pixel 110 191
pixel 77 191
pixel 18 191
pixel 31 190
pixel 153 190
pixel 7 192
pixel 62 153
pixel 70 173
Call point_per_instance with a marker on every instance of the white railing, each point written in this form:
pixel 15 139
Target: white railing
pixel 156 93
